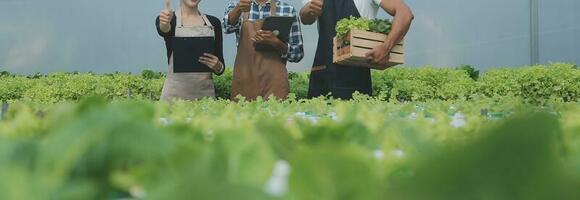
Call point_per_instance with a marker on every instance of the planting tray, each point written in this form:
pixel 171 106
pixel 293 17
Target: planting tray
pixel 351 50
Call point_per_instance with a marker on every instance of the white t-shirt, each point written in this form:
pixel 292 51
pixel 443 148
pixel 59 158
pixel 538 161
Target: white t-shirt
pixel 366 8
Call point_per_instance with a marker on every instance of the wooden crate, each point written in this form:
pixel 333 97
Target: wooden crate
pixel 361 42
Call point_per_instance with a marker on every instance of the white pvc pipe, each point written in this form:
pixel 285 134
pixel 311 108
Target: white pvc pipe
pixel 534 33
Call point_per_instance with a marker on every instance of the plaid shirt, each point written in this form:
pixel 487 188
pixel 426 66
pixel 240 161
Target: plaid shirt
pixel 295 43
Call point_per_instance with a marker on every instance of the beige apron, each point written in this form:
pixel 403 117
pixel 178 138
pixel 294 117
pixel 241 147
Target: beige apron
pixel 258 73
pixel 189 86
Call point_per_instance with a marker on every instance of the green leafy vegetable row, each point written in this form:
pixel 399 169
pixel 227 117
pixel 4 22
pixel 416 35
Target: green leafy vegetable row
pixel 537 84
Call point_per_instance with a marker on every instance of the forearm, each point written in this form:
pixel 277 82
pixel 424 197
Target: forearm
pixel 305 15
pixel 281 46
pixel 165 28
pixel 234 15
pixel 401 24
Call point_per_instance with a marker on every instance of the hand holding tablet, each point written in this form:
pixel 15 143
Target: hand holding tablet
pixel 274 28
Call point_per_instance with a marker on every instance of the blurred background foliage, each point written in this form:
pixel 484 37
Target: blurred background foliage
pixel 317 149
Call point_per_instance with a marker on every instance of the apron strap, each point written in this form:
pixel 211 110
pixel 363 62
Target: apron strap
pixel 246 15
pixel 179 21
pixel 273 7
pixel 178 17
pixel 205 20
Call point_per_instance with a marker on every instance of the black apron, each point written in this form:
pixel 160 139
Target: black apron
pixel 327 77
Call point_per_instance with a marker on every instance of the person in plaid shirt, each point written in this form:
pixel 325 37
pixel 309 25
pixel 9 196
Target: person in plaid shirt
pixel 262 72
pixel 257 11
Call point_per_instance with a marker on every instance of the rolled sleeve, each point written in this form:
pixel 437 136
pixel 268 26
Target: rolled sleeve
pixel 296 42
pixel 231 28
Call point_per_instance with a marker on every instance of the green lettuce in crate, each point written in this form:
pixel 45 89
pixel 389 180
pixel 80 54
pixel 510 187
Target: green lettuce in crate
pixel 380 26
pixel 344 26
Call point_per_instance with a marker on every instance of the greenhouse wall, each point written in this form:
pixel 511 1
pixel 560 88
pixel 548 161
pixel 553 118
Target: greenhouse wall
pixel 107 35
pixel 559 31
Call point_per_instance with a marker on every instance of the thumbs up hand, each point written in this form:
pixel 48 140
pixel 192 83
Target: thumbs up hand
pixel 315 7
pixel 165 17
pixel 245 5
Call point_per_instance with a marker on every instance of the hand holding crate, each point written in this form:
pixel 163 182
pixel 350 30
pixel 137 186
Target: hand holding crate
pixel 356 37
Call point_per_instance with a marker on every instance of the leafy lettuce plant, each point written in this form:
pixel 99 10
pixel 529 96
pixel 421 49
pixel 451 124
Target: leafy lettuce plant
pixel 344 26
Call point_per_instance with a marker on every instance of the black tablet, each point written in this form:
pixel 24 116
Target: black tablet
pixel 186 53
pixel 280 26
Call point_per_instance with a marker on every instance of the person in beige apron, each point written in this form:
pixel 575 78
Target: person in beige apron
pixel 191 85
pixel 258 73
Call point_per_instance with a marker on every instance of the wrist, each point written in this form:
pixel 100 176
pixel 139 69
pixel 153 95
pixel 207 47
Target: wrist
pixel 281 46
pixel 234 15
pixel 388 45
pixel 219 67
pixel 165 28
pixel 389 42
pixel 312 13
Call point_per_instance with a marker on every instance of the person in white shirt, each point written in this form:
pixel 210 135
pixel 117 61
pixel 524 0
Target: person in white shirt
pixel 341 82
pixel 366 8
